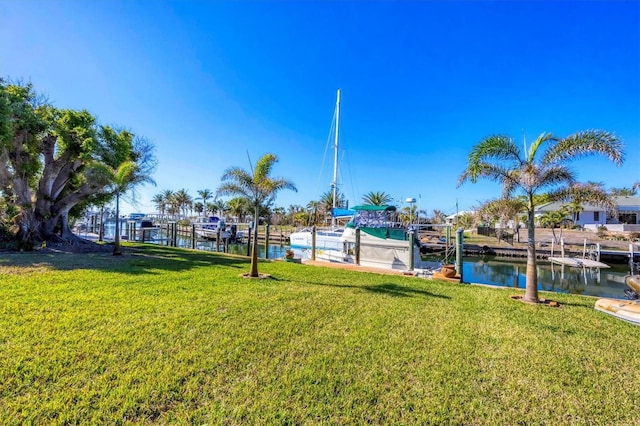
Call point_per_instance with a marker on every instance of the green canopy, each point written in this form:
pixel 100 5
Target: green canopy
pixel 370 208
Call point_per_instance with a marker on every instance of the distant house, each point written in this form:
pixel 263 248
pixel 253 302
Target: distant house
pixel 626 217
pixel 451 220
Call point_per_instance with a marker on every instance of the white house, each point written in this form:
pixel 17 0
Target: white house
pixel 626 217
pixel 450 220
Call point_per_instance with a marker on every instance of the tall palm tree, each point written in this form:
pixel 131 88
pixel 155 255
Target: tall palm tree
pixel 204 195
pixel 160 202
pixel 122 178
pixel 312 208
pixel 378 198
pixel 259 188
pixel 198 207
pixel 183 200
pixel 499 158
pixel 325 203
pixel 167 198
pixel 219 206
pixel 237 207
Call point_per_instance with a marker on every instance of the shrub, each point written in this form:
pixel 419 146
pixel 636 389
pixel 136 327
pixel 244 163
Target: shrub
pixel 602 231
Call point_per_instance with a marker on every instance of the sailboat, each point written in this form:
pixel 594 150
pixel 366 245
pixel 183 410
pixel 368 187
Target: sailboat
pixel 382 241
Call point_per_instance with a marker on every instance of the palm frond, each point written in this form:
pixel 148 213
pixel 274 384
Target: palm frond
pixel 491 149
pixel 584 193
pixel 586 143
pixel 535 146
pixel 553 176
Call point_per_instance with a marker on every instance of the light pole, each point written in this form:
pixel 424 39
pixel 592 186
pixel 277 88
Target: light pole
pixel 411 202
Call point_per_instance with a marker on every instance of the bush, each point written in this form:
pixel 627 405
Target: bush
pixel 602 231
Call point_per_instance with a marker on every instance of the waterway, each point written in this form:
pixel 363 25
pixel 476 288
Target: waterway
pixel 490 270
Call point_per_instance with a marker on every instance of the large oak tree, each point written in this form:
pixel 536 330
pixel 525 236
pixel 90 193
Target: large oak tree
pixel 53 161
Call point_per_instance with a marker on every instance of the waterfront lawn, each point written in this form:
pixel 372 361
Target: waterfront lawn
pixel 164 335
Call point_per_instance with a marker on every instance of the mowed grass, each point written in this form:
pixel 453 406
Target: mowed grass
pixel 172 336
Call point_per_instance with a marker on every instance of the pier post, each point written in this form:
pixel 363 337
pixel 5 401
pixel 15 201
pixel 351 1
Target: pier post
pixel 358 246
pixel 218 239
pixel 459 248
pixel 631 255
pixel 411 250
pixel 249 239
pixel 266 241
pixel 598 252
pixel 193 236
pixel 174 234
pixel 313 242
pixel 561 247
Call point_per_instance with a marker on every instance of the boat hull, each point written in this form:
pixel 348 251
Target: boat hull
pixel 633 282
pixel 626 310
pixel 325 240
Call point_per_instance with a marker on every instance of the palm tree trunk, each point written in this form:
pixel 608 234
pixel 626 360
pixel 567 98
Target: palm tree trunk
pixel 116 244
pixel 254 248
pixel 531 290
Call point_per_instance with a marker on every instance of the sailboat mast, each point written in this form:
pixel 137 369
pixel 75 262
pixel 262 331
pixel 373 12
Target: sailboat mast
pixel 334 184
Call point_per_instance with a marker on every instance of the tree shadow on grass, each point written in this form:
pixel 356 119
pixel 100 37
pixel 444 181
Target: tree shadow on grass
pixel 136 259
pixel 388 289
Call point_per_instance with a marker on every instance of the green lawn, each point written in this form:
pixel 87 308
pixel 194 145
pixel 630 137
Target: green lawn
pixel 164 335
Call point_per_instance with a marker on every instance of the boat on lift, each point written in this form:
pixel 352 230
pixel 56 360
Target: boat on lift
pixel 626 310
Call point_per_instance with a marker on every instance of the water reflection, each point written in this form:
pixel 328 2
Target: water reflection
pixel 557 278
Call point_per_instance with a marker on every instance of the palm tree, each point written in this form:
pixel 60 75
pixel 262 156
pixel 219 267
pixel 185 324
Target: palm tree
pixel 160 201
pixel 499 158
pixel 123 177
pixel 554 219
pixel 198 207
pixel 625 192
pixel 219 206
pixel 325 204
pixel 183 201
pixel 438 217
pixel 204 195
pixel 166 197
pixel 503 210
pixel 237 207
pixel 377 199
pixel 257 187
pixel 312 207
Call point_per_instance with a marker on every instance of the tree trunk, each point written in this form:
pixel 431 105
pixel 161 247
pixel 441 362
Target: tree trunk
pixel 101 229
pixel 254 248
pixel 531 290
pixel 116 244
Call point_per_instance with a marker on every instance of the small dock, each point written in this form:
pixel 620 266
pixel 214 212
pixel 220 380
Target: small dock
pixel 578 263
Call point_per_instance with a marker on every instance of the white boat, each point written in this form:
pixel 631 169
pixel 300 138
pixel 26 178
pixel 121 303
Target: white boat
pixel 383 242
pixel 626 310
pixel 210 227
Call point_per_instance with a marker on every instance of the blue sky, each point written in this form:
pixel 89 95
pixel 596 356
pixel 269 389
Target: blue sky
pixel 422 82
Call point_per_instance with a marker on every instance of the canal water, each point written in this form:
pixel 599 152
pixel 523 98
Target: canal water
pixel 510 272
pixel 491 270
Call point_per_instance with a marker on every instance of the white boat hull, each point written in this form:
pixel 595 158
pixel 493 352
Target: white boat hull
pixel 333 246
pixel 626 310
